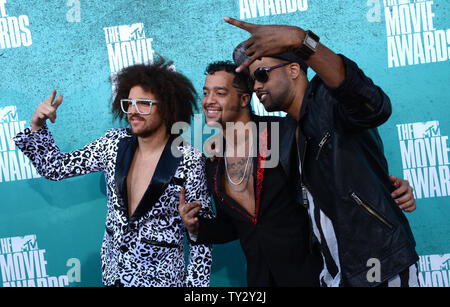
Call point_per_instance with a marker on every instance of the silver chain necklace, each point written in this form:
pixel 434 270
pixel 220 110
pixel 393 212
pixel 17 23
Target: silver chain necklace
pixel 245 176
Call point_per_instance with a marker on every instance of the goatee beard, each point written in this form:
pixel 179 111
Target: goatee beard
pixel 143 134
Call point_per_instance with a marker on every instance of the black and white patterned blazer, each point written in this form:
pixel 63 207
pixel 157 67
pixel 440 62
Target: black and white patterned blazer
pixel 146 249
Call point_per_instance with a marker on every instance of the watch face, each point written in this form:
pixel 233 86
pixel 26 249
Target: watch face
pixel 311 42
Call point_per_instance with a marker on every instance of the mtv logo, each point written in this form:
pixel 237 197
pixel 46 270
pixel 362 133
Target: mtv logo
pixel 8 114
pixel 440 262
pixel 426 129
pixel 22 244
pixel 133 32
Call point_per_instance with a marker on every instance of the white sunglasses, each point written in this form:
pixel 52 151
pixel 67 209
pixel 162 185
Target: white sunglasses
pixel 142 106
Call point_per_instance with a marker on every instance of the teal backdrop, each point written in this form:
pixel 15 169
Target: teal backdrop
pixel 51 232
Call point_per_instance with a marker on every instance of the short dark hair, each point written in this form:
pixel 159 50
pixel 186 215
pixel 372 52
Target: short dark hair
pixel 242 82
pixel 177 95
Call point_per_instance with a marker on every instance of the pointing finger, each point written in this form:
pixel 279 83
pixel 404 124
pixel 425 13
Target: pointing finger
pixel 182 197
pixel 249 27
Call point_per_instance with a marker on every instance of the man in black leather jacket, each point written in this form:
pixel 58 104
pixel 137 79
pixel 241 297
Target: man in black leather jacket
pixel 344 181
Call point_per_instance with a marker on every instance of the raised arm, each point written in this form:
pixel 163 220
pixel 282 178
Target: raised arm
pixel 267 40
pixel 37 143
pixel 362 104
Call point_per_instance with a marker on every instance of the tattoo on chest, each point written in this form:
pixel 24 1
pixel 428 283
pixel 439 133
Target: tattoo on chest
pixel 237 168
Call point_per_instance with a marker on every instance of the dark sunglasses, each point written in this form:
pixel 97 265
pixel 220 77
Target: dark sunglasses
pixel 261 74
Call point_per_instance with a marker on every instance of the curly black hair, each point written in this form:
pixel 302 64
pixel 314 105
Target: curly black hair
pixel 177 95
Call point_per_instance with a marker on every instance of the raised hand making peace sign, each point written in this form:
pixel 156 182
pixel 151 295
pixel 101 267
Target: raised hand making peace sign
pixel 46 110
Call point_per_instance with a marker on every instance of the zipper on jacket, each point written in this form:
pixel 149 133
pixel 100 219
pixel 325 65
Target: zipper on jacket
pixel 322 143
pixel 370 210
pixel 303 161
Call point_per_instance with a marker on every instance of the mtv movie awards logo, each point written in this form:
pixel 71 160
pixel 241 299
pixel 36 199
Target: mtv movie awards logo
pixel 23 264
pixel 127 45
pixel 14 31
pixel 411 34
pixel 434 270
pixel 261 8
pixel 425 158
pixel 13 164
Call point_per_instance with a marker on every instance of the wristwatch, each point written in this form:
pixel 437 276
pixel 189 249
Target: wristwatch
pixel 308 47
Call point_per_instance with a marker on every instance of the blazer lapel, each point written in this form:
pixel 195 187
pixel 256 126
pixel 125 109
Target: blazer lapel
pixel 125 153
